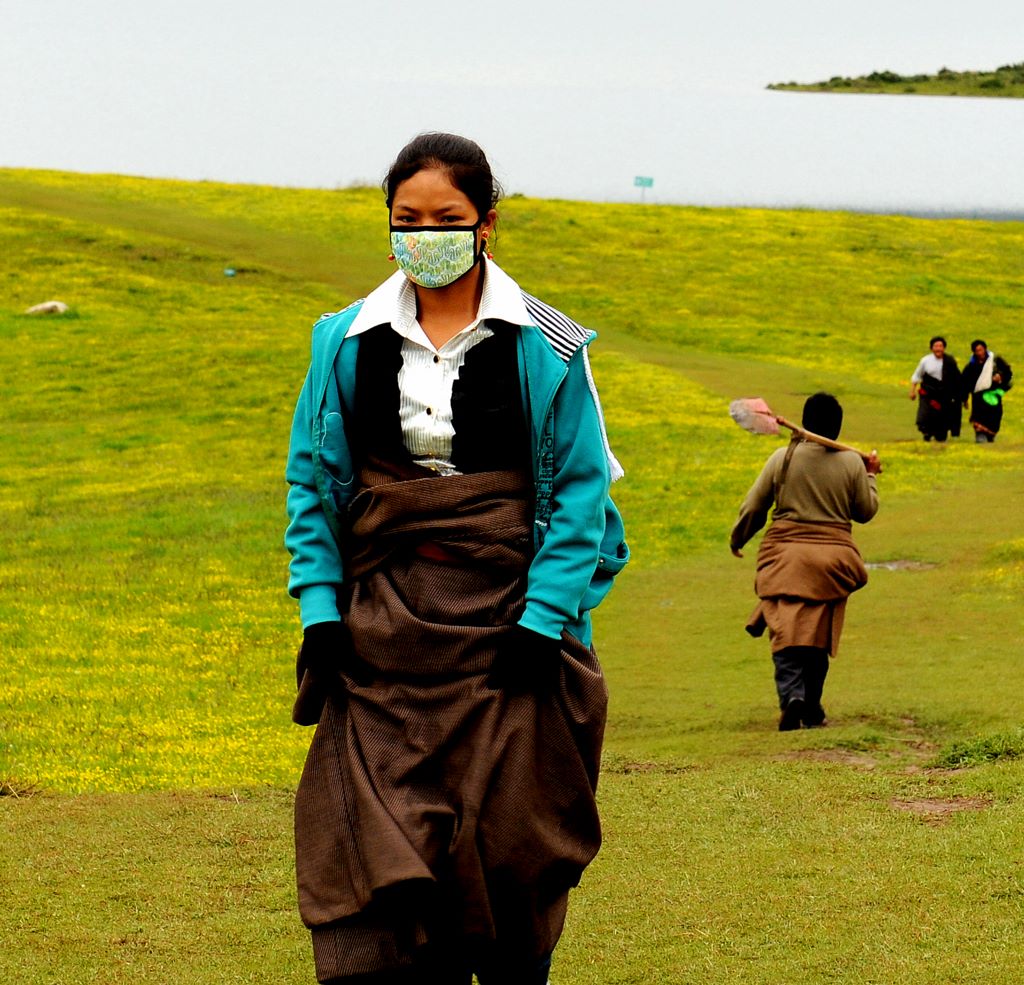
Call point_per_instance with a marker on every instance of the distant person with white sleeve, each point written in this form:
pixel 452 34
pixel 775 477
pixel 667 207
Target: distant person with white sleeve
pixel 937 381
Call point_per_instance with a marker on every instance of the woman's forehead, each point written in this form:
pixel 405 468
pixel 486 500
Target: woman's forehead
pixel 431 184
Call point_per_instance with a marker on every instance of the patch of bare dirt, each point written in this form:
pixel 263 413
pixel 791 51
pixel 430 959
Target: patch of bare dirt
pixel 845 757
pixel 16 789
pixel 937 809
pixel 669 769
pixel 900 565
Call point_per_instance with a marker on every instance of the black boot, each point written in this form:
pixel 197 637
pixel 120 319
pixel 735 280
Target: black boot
pixel 789 720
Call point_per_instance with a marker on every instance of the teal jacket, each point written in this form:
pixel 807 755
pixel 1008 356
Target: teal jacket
pixel 578 534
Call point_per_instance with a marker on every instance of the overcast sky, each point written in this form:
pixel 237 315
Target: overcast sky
pixel 568 97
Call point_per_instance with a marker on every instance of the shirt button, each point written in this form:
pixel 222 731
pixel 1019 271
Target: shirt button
pixel 430 410
pixel 437 358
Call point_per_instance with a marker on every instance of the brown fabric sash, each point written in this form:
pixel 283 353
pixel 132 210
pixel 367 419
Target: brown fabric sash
pixel 817 562
pixel 481 518
pixel 805 573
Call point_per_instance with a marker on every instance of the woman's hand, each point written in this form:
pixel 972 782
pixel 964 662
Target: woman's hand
pixel 327 650
pixel 326 653
pixel 526 661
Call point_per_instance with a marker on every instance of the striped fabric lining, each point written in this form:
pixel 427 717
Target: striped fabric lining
pixel 565 335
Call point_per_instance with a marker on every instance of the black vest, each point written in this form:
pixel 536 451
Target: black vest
pixel 487 406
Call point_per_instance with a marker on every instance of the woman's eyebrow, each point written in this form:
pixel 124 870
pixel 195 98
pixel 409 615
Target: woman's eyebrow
pixel 450 207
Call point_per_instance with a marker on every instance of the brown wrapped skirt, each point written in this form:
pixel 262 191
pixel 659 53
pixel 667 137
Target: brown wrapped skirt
pixel 433 808
pixel 805 572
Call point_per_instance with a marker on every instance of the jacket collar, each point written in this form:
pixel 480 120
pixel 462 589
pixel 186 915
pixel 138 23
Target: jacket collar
pixel 394 302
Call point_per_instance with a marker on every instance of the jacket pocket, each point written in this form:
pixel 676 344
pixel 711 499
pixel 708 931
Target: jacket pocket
pixel 334 471
pixel 332 468
pixel 609 564
pixel 334 451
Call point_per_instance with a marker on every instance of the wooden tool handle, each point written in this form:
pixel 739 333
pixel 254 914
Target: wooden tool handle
pixel 827 442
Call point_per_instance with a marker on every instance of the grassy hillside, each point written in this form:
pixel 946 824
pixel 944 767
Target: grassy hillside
pixel 1006 82
pixel 147 643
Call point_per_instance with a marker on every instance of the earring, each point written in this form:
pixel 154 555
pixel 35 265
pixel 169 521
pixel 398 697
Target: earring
pixel 391 257
pixel 487 252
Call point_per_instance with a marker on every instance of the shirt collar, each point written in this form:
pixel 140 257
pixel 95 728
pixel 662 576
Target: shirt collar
pixel 394 302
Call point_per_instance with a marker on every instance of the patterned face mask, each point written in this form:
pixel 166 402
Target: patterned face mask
pixel 434 256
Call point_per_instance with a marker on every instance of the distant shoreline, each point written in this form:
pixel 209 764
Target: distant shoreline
pixel 1005 82
pixel 58 176
pixel 911 212
pixel 978 215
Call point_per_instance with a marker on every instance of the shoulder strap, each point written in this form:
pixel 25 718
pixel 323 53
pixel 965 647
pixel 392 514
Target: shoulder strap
pixel 780 480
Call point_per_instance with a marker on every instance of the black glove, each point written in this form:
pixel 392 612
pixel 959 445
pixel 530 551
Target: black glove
pixel 327 649
pixel 526 661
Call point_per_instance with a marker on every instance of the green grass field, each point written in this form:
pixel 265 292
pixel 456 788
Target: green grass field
pixel 146 754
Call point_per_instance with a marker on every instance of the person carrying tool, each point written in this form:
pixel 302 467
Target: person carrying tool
pixel 808 563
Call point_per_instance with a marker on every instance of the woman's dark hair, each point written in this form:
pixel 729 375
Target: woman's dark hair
pixel 976 343
pixel 823 415
pixel 937 338
pixel 460 158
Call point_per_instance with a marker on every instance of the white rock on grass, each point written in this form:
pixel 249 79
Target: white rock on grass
pixel 47 308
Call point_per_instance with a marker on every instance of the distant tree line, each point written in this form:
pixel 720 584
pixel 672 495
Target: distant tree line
pixel 945 80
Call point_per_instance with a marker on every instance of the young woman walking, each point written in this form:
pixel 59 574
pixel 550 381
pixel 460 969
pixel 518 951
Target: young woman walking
pixel 450 530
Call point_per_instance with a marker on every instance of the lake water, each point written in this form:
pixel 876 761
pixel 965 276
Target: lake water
pixel 704 146
pixel 912 154
pixel 571 99
pixel 713 146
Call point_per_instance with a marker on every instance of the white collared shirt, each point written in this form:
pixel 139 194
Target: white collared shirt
pixel 929 364
pixel 428 373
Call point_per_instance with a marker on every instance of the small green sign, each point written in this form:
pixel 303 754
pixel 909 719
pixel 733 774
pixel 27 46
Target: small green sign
pixel 641 182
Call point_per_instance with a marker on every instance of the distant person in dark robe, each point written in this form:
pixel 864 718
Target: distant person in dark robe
pixel 985 380
pixel 937 382
pixel 807 564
